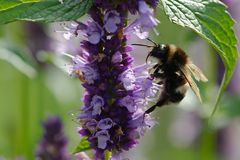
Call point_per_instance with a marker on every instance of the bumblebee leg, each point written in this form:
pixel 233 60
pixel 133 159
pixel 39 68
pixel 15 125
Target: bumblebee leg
pixel 158 104
pixel 158 73
pixel 148 111
pixel 151 109
pixel 153 69
pixel 155 66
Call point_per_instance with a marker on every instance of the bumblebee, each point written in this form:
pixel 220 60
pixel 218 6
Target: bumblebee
pixel 173 70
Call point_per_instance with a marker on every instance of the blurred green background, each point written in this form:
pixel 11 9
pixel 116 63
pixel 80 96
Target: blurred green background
pixel 33 86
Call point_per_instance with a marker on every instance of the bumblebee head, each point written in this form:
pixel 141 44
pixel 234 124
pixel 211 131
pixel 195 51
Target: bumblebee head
pixel 160 52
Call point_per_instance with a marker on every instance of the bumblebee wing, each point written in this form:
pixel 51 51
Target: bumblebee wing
pixel 197 73
pixel 187 74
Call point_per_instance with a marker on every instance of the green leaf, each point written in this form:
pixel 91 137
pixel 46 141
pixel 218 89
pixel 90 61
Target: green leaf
pixel 6 4
pixel 82 146
pixel 44 10
pixel 210 19
pixel 15 57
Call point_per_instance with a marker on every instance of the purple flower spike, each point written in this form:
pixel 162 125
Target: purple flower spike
pixel 116 93
pixel 53 144
pixel 111 20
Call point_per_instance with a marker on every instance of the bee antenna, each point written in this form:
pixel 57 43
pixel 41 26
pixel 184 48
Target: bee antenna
pixel 152 41
pixel 135 44
pixel 148 57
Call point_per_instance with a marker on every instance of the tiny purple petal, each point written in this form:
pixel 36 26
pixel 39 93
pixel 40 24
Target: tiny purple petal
pixel 144 23
pixel 141 69
pixel 103 137
pixel 116 157
pixel 146 85
pixel 129 103
pixel 85 115
pixel 117 57
pixel 110 27
pixel 141 121
pixel 96 110
pixel 90 74
pixel 97 103
pixel 111 20
pixel 128 48
pixel 106 123
pixel 143 7
pixel 128 79
pixel 81 156
pixel 91 125
pixel 94 32
pixel 94 38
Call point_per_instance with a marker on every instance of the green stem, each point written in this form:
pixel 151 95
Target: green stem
pixel 107 155
pixel 24 116
pixel 208 140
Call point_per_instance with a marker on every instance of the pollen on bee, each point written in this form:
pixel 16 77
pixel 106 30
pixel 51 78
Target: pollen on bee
pixel 80 75
pixel 77 72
